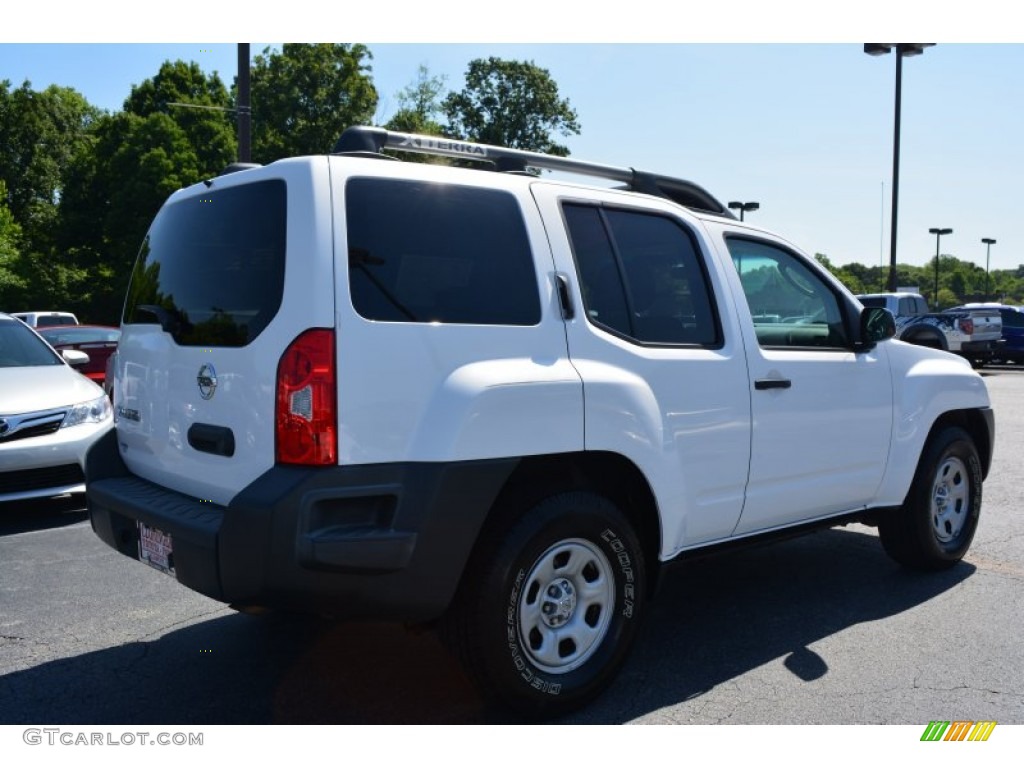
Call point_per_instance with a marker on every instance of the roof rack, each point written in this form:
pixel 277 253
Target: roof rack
pixel 368 141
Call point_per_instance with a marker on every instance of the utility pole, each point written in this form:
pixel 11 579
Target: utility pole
pixel 244 106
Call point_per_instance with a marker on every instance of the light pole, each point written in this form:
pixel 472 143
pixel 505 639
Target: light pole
pixel 989 242
pixel 741 207
pixel 902 49
pixel 938 234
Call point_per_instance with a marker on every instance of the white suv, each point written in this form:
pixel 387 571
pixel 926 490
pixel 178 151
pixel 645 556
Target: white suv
pixel 372 388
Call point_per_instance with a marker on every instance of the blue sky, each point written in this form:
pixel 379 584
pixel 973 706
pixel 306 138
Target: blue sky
pixel 803 127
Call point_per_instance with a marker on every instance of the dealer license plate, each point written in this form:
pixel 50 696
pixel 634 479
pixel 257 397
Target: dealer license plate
pixel 155 548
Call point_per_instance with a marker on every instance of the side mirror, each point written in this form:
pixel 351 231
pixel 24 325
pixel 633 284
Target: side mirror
pixel 876 324
pixel 74 358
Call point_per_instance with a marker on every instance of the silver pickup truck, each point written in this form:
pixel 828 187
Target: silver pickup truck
pixel 975 334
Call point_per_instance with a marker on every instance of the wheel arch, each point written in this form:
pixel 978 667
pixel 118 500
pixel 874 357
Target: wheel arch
pixel 925 336
pixel 977 424
pixel 605 473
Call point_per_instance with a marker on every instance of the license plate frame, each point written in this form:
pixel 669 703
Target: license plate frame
pixel 156 548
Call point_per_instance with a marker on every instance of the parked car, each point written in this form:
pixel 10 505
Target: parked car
pixel 1012 350
pixel 505 403
pixel 975 334
pixel 49 416
pixel 41 319
pixel 97 341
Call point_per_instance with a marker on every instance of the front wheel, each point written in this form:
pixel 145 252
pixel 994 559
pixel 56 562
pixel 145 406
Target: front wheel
pixel 936 524
pixel 549 607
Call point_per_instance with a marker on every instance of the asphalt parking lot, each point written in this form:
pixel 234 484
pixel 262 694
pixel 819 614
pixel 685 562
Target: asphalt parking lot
pixel 823 629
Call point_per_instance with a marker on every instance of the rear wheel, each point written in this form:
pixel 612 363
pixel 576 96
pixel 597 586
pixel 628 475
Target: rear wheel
pixel 936 524
pixel 549 606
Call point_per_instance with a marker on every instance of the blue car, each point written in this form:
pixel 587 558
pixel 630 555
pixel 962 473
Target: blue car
pixel 1013 330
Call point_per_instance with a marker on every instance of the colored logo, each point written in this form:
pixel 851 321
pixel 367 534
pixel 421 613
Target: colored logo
pixel 207 381
pixel 958 730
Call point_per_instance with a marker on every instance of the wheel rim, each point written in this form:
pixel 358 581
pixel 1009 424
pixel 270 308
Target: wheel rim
pixel 566 605
pixel 951 496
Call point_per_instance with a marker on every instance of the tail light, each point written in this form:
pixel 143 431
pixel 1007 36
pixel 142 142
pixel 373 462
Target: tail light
pixel 306 412
pixel 967 325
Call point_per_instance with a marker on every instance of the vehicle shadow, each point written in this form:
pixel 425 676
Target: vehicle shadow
pixel 712 621
pixel 41 514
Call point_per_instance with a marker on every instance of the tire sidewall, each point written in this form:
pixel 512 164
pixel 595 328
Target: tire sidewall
pixel 597 521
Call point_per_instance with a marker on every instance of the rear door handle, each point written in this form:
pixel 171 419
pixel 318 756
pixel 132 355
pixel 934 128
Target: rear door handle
pixel 772 384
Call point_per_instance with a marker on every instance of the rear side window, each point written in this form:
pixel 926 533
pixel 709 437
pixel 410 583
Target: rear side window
pixel 421 253
pixel 642 276
pixel 211 269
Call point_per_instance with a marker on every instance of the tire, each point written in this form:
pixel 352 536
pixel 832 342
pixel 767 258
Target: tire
pixel 936 524
pixel 549 606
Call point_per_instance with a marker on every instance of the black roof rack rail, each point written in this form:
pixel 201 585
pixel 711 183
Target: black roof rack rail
pixel 369 141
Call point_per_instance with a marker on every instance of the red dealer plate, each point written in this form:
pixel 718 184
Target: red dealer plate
pixel 155 548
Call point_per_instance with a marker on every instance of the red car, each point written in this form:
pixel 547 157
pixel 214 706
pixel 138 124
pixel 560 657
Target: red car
pixel 97 341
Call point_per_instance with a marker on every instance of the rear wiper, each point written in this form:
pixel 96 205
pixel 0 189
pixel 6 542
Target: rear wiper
pixel 171 320
pixel 358 258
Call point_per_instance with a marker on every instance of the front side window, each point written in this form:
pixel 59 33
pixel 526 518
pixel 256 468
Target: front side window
pixel 641 276
pixel 791 305
pixel 211 269
pixel 422 252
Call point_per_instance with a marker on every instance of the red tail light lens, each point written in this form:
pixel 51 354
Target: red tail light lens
pixel 306 412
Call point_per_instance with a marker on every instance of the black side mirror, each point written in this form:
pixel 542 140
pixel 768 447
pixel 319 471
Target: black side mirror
pixel 876 324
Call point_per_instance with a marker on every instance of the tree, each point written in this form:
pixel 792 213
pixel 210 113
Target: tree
pixel 11 284
pixel 419 104
pixel 511 104
pixel 846 275
pixel 304 97
pixel 40 131
pixel 208 122
pixel 136 164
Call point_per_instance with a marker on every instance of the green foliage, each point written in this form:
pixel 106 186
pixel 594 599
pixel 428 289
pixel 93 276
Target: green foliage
pixel 959 281
pixel 11 284
pixel 208 122
pixel 39 132
pixel 419 104
pixel 511 104
pixel 305 95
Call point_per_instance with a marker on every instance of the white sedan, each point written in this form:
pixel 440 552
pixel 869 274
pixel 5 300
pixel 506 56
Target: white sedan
pixel 49 416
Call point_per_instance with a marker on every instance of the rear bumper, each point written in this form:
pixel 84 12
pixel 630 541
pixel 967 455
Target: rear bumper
pixel 981 349
pixel 384 541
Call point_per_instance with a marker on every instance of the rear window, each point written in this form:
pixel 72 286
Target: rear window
pixel 422 253
pixel 49 320
pixel 211 269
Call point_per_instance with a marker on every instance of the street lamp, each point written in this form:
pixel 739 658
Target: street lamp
pixel 741 207
pixel 989 242
pixel 938 234
pixel 902 49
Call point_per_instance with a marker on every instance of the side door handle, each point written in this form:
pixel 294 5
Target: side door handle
pixel 772 383
pixel 564 299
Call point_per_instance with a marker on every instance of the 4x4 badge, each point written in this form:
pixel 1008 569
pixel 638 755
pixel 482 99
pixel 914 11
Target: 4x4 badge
pixel 207 381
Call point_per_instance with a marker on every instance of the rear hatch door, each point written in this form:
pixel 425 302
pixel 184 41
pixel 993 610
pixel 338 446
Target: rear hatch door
pixel 229 274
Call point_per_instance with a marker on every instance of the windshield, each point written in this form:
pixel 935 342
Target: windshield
pixel 20 346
